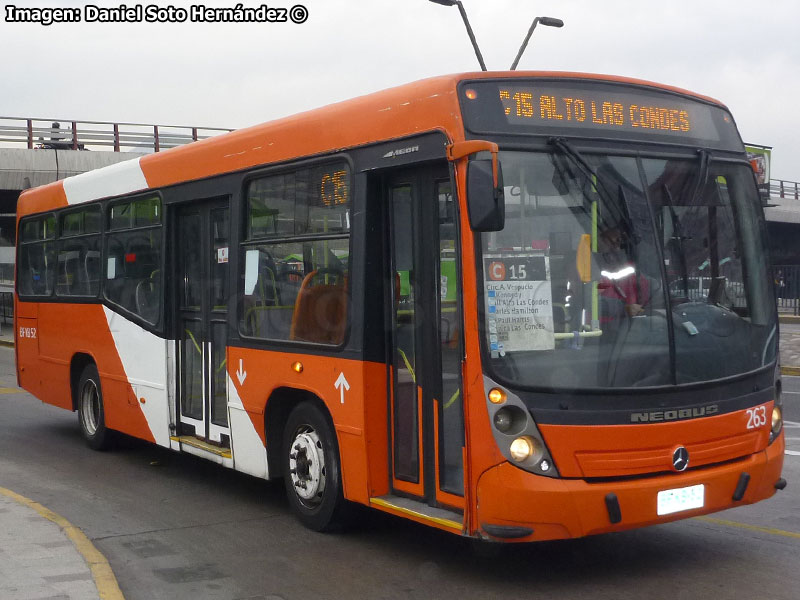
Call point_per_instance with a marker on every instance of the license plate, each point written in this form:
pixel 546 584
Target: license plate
pixel 672 501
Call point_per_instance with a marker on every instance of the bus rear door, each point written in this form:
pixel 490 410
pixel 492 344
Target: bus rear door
pixel 203 238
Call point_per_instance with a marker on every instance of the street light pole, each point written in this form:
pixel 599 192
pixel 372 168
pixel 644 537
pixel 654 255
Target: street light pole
pixel 469 28
pixel 546 21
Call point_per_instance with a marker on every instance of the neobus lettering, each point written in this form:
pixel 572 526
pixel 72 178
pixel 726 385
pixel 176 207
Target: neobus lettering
pixel 674 415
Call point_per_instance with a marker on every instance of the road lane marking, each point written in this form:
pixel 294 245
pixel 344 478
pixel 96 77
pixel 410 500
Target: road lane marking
pixel 792 453
pixel 10 390
pixel 104 579
pixel 791 424
pixel 768 530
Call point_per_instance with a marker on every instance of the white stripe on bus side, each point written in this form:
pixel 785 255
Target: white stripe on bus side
pixel 113 180
pixel 249 452
pixel 144 358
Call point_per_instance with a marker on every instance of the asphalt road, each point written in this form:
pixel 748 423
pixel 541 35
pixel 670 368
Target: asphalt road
pixel 176 527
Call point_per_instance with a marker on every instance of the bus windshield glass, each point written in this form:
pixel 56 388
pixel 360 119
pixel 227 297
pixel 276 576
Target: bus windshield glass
pixel 623 272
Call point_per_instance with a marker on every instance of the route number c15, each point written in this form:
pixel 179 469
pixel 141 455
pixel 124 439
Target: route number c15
pixel 756 417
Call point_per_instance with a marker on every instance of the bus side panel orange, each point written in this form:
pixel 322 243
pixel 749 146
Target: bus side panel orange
pixel 26 333
pixel 422 106
pixel 41 199
pixel 68 329
pixel 347 388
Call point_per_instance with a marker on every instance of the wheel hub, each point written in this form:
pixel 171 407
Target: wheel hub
pixel 90 407
pixel 307 466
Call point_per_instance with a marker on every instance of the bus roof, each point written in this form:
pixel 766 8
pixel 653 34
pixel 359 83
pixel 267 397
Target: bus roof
pixel 426 105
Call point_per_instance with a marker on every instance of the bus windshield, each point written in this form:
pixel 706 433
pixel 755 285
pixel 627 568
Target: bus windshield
pixel 625 272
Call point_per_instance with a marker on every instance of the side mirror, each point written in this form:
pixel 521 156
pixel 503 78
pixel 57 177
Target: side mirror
pixel 485 201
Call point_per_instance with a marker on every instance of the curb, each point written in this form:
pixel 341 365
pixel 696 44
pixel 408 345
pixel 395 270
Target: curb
pixel 104 579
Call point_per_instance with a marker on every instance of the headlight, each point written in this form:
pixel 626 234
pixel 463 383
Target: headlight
pixel 777 422
pixel 521 449
pixel 526 449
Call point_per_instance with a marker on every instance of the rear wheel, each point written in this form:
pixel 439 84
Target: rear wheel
pixel 312 473
pixel 91 413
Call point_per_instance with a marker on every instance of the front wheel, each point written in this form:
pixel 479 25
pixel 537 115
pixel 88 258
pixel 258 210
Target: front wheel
pixel 91 413
pixel 312 473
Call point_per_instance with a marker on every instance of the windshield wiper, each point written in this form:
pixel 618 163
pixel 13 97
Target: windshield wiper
pixel 565 148
pixel 678 237
pixel 702 175
pixel 677 228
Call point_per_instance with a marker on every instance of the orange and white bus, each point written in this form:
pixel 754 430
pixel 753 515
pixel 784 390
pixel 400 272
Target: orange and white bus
pixel 510 305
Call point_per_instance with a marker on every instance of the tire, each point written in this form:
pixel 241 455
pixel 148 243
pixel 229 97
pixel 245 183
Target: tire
pixel 312 471
pixel 91 413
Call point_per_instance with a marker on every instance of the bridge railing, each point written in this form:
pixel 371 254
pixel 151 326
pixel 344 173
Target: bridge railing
pixel 85 135
pixel 778 188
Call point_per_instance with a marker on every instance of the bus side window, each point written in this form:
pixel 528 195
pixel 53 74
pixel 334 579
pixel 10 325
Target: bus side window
pixel 37 257
pixel 296 290
pixel 133 264
pixel 299 295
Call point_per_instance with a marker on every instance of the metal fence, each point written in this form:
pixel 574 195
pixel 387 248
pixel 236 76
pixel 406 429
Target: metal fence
pixel 787 288
pixel 7 301
pixel 778 188
pixel 98 135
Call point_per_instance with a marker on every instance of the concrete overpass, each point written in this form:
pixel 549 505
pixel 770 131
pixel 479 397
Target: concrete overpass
pixel 36 151
pixel 21 169
pixel 783 222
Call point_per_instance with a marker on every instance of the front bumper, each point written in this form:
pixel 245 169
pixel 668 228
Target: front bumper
pixel 515 501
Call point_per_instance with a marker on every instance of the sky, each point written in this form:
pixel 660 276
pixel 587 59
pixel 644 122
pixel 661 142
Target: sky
pixel 746 54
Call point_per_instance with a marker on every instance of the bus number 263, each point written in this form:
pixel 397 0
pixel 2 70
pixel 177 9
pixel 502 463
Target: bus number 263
pixel 756 417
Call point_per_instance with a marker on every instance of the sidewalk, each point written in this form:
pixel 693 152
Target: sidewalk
pixel 43 556
pixel 6 334
pixel 790 346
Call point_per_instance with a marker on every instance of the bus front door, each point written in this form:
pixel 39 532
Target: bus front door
pixel 427 422
pixel 202 242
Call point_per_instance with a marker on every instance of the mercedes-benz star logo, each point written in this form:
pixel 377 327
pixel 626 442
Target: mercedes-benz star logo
pixel 680 459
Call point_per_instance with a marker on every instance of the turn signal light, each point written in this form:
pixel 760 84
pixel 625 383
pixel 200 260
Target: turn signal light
pixel 297 367
pixel 497 396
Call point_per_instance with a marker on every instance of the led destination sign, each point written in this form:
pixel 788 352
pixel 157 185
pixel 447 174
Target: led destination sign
pixel 521 105
pixel 596 108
